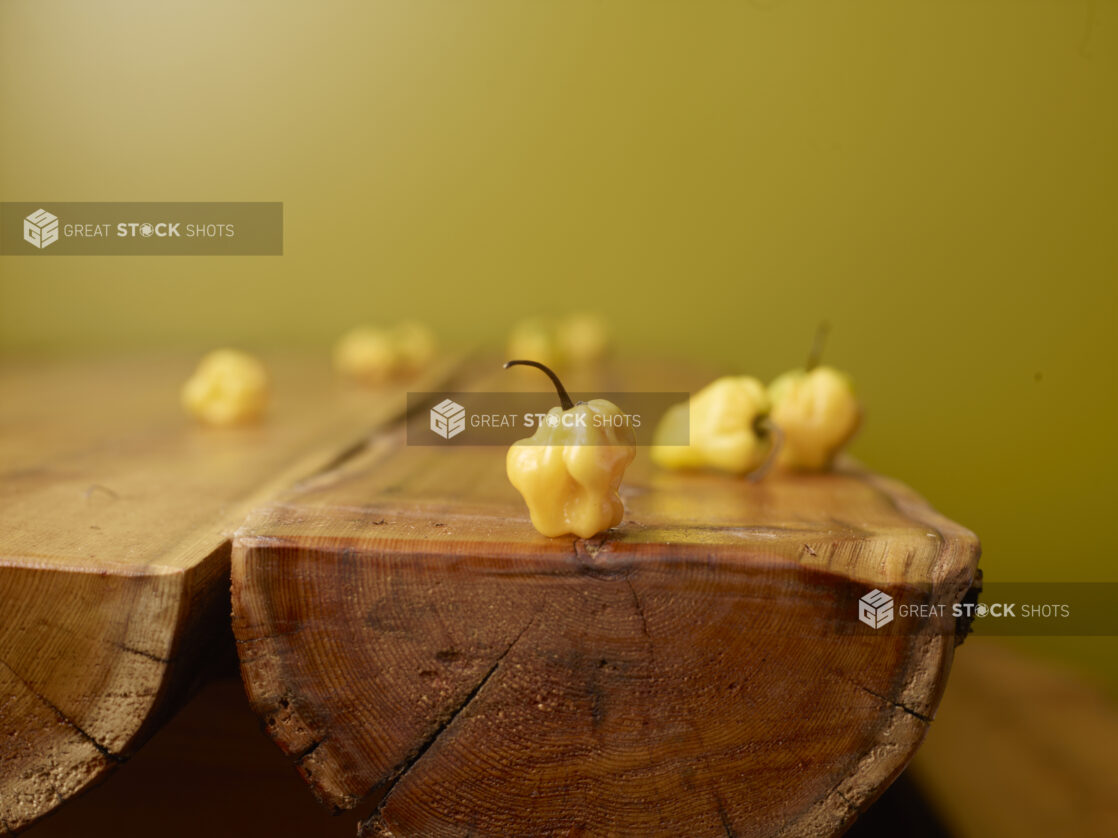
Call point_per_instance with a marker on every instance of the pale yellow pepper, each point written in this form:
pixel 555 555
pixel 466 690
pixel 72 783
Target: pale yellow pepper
pixel 367 354
pixel 229 387
pixel 576 340
pixel 817 412
pixel 724 425
pixel 373 355
pixel 569 471
pixel 416 345
pixel 583 338
pixel 534 337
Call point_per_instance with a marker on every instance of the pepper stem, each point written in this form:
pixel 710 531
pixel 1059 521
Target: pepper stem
pixel 764 426
pixel 564 399
pixel 816 353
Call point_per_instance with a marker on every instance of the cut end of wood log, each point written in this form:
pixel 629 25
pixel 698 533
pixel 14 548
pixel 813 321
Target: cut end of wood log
pixel 698 671
pixel 114 548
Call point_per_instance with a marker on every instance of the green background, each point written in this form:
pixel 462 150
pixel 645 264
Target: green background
pixel 939 180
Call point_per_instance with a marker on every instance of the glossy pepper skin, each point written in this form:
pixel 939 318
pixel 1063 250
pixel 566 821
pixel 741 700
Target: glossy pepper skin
pixel 721 421
pixel 570 469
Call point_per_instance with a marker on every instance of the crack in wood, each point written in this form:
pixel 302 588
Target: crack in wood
pixel 404 768
pixel 105 752
pixel 306 753
pixel 639 606
pixel 273 633
pixel 727 827
pixel 597 699
pixel 339 460
pixel 899 705
pixel 126 648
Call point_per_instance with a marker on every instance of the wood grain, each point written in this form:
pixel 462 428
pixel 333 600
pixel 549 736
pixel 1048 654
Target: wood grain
pixel 412 643
pixel 115 516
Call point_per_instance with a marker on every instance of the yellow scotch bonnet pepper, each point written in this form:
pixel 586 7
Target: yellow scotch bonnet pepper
pixel 374 355
pixel 725 425
pixel 367 354
pixel 818 413
pixel 416 345
pixel 229 387
pixel 534 337
pixel 570 469
pixel 583 338
pixel 576 340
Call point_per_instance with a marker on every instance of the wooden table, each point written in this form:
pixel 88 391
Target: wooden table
pixel 417 649
pixel 115 515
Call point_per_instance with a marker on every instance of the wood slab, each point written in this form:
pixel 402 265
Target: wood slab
pixel 115 516
pixel 416 647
